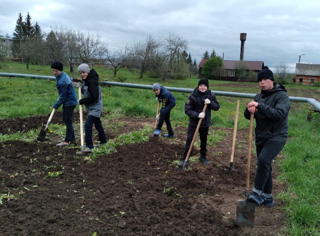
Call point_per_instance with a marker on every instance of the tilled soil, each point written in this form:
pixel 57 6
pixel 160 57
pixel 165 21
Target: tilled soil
pixel 136 190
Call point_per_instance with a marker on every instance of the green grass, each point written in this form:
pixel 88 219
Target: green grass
pixel 22 97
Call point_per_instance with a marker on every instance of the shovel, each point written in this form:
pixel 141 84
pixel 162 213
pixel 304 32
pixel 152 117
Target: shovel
pixel 229 169
pixel 245 208
pixel 42 135
pixel 184 167
pixel 155 122
pixel 81 126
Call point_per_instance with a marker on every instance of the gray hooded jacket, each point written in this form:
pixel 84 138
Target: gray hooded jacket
pixel 272 115
pixel 92 95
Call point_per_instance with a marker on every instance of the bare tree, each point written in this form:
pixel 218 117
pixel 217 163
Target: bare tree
pixel 78 46
pixel 241 70
pixel 175 45
pixel 117 58
pixel 5 51
pixel 53 48
pixel 144 53
pixel 282 72
pixel 90 47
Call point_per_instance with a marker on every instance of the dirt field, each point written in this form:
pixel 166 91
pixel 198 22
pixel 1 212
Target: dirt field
pixel 133 191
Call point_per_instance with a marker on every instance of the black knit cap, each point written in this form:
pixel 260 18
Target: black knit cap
pixel 265 73
pixel 57 65
pixel 203 81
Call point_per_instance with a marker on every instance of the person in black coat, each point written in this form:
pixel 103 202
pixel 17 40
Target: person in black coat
pixel 270 108
pixel 194 105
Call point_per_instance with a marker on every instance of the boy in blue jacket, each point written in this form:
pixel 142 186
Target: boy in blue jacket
pixel 67 98
pixel 168 101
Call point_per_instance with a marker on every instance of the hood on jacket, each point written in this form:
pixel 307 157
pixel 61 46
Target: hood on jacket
pixel 92 76
pixel 277 88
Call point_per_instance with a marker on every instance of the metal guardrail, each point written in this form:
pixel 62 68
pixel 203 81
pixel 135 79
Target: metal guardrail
pixel 313 102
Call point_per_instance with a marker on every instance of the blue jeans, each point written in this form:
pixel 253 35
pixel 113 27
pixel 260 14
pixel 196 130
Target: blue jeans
pixel 165 118
pixel 88 130
pixel 67 116
pixel 266 152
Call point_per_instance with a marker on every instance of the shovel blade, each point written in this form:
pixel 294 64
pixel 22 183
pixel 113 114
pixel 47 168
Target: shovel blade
pixel 245 213
pixel 42 135
pixel 153 138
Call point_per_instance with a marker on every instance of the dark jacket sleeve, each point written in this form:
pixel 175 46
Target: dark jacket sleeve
pixel 94 93
pixel 214 105
pixel 189 108
pixel 170 103
pixel 246 111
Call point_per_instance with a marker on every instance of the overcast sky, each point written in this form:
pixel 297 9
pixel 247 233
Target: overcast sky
pixel 278 31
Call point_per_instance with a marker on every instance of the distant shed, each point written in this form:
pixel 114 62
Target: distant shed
pixel 307 74
pixel 228 70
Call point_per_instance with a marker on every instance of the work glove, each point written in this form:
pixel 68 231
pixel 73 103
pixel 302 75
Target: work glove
pixel 79 85
pixel 202 115
pixel 207 101
pixel 157 117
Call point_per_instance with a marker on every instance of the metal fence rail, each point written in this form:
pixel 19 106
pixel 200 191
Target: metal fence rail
pixel 313 102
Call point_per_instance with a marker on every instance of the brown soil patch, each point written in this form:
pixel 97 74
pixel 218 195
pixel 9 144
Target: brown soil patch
pixel 133 191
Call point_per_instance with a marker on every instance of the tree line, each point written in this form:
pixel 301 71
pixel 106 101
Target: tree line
pixel 165 58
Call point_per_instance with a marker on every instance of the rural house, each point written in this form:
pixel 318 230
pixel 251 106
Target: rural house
pixel 229 68
pixel 307 74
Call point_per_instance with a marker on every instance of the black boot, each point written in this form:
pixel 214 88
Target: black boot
pixel 203 159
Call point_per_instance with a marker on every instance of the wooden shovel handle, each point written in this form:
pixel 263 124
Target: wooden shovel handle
pixel 249 151
pixel 81 122
pixel 235 131
pixel 156 121
pixel 50 118
pixel 195 134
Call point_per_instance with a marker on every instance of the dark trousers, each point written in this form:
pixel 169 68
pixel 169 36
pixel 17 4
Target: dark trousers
pixel 203 140
pixel 266 152
pixel 67 116
pixel 88 130
pixel 165 118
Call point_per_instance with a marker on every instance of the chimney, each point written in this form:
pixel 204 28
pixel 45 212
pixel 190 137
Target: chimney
pixel 243 37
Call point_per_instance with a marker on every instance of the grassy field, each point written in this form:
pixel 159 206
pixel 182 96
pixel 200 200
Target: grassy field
pixel 23 97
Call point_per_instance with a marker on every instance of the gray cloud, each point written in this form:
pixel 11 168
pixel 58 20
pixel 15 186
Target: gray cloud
pixel 277 31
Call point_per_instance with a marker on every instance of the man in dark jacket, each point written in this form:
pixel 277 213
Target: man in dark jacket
pixel 67 98
pixel 91 90
pixel 194 105
pixel 168 101
pixel 270 108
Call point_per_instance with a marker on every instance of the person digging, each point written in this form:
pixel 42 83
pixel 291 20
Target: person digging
pixel 194 105
pixel 91 90
pixel 168 102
